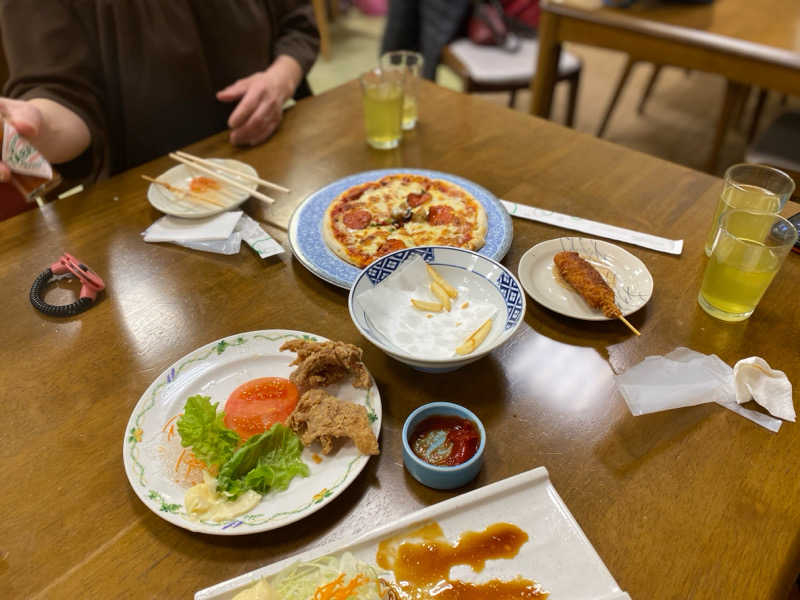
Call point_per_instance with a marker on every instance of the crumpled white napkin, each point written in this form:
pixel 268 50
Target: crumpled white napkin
pixel 388 306
pixel 176 229
pixel 687 378
pixel 754 378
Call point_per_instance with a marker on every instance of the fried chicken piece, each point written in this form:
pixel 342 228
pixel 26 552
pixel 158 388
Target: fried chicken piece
pixel 582 276
pixel 322 363
pixel 318 415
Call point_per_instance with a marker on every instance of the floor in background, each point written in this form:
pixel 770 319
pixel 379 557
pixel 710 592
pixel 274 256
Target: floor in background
pixel 677 124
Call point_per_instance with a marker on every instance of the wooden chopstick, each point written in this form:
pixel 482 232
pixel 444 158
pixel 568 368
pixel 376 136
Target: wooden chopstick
pixel 211 164
pixel 178 190
pixel 222 178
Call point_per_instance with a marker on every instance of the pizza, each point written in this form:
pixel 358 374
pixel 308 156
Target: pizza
pixel 400 211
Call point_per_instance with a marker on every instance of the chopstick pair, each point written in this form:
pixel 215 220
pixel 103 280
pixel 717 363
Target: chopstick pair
pixel 218 172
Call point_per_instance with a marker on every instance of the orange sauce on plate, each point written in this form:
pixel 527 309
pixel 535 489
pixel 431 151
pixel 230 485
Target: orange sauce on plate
pixel 421 563
pixel 203 184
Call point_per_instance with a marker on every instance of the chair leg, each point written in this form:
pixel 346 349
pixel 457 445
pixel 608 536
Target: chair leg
pixel 623 79
pixel 733 93
pixel 738 113
pixel 572 102
pixel 321 17
pixel 512 98
pixel 649 88
pixel 757 112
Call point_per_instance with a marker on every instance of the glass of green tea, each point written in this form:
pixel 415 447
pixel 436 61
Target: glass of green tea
pixel 411 63
pixel 382 90
pixel 752 187
pixel 748 250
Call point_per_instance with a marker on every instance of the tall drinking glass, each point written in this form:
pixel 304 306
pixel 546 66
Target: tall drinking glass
pixel 748 250
pixel 383 107
pixel 411 63
pixel 751 187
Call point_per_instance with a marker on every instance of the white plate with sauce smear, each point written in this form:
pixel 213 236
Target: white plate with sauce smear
pixel 192 207
pixel 626 275
pixel 152 449
pixel 558 556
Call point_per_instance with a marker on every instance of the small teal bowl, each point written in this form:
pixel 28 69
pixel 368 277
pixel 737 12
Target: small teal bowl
pixel 442 478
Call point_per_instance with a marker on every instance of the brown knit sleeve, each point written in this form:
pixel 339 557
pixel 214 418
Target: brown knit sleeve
pixel 297 36
pixel 49 53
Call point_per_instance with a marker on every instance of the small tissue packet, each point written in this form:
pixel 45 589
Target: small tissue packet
pixel 422 334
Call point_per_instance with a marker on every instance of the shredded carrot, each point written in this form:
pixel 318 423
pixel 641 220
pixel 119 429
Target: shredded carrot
pixel 169 427
pixel 324 592
pixel 335 591
pixel 192 463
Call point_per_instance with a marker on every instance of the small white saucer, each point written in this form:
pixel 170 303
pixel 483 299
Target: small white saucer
pixel 627 275
pixel 181 175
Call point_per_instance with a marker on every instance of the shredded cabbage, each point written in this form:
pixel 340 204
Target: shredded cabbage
pixel 300 580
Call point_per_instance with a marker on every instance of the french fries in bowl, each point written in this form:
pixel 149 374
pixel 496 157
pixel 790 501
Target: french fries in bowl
pixel 436 308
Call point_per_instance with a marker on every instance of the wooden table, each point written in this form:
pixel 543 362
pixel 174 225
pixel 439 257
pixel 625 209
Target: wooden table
pixel 691 503
pixel 749 43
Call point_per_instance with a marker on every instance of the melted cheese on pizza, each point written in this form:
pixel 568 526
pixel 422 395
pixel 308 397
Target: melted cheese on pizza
pixel 401 211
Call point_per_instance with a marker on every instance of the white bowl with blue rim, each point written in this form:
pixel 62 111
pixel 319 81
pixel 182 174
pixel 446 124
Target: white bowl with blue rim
pixel 487 278
pixel 435 476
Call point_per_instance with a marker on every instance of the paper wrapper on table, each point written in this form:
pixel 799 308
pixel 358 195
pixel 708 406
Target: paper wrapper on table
pixel 175 229
pixel 687 378
pixel 388 307
pixel 612 232
pixel 258 239
pixel 220 234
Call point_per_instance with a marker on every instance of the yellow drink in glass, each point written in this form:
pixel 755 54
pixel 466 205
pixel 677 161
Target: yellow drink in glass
pixel 742 265
pixel 736 277
pixel 751 187
pixel 409 112
pixel 411 64
pixel 750 197
pixel 383 107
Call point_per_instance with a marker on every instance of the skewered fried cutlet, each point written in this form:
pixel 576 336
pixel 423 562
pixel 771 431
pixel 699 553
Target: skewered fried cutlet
pixel 585 279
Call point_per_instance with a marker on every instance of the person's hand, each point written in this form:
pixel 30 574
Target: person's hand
pixel 261 97
pixel 26 119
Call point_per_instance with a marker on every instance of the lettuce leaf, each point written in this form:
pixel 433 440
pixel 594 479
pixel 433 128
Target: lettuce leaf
pixel 202 428
pixel 265 462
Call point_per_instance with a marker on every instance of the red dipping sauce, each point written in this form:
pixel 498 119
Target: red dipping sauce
pixel 445 440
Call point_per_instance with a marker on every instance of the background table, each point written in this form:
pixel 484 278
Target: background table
pixel 749 43
pixel 691 503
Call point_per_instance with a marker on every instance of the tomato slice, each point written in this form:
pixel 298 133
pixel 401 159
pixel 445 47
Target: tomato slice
pixel 256 405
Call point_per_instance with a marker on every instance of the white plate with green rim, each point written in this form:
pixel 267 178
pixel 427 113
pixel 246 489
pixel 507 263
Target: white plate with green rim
pixel 626 275
pixel 151 447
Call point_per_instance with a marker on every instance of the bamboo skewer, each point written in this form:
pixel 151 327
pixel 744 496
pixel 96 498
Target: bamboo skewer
pixel 222 178
pixel 631 327
pixel 178 190
pixel 211 164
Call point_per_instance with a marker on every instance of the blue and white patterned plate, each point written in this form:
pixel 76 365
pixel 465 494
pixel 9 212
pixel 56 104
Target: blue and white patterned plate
pixel 308 244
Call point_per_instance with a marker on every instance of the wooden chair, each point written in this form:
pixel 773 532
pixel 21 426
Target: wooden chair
pixel 491 69
pixel 778 147
pixel 736 96
pixel 323 13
